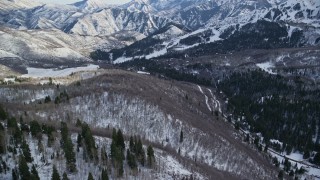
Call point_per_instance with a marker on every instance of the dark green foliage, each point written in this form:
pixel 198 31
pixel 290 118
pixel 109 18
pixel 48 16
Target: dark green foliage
pixel 151 159
pixel 34 173
pixel 78 123
pixel 57 100
pixel 68 148
pixel 79 140
pixel 120 140
pixel 26 151
pixel 136 49
pixel 24 126
pixel 3 113
pixel 35 128
pixel 65 176
pixel 156 67
pixel 316 159
pixel 301 170
pixel 47 99
pixel 3 167
pixel 191 40
pixel 23 168
pixel 286 165
pixel 89 142
pixel 117 158
pixel 277 108
pixel 55 174
pixel 249 36
pixel 90 177
pixel 62 98
pixel 131 144
pixel 120 170
pixel 131 160
pixel 117 151
pixel 14 128
pixel 291 173
pixel 140 154
pixel 281 174
pixel 2 140
pixel 14 174
pixel 104 175
pixel 306 154
pixel 48 130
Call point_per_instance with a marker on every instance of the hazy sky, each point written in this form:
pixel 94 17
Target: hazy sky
pixel 72 1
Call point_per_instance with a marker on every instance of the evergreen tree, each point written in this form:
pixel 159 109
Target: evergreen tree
pixel 150 154
pixel 117 151
pixel 55 174
pixel 280 175
pixel 68 148
pixel 13 126
pixel 104 175
pixel 47 99
pixel 120 169
pixel 131 144
pixel 3 114
pixel 316 159
pixel 90 177
pixel 286 165
pixel 23 168
pixel 306 154
pixel 26 151
pixel 78 123
pixel 14 174
pixel 114 135
pixel 89 142
pixel 120 139
pixel 181 136
pixel 131 160
pixel 140 152
pixel 34 173
pixel 79 140
pixel 2 140
pixel 65 176
pixel 35 128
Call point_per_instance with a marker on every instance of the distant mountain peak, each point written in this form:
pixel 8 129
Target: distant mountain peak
pixel 91 4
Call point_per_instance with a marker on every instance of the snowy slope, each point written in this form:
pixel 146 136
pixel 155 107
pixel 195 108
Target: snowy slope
pixel 55 45
pixel 6 5
pixel 91 5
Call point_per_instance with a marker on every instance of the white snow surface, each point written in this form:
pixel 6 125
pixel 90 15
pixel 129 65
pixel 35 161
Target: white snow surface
pixel 266 66
pixel 40 72
pixel 143 72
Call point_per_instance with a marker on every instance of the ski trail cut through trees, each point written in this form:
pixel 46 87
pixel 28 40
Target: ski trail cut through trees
pixel 206 98
pixel 215 102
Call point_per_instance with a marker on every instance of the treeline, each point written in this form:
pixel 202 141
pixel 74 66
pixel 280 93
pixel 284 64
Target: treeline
pixel 139 48
pixel 278 108
pixel 157 68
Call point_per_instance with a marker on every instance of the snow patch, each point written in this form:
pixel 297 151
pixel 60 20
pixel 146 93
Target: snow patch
pixel 266 66
pixel 40 72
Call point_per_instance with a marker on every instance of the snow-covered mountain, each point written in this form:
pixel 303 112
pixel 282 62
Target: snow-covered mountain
pixel 214 20
pixel 91 5
pixel 292 24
